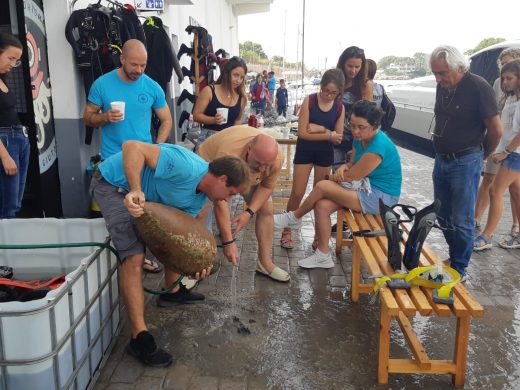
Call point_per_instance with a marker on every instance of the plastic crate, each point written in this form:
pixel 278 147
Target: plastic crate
pixel 60 341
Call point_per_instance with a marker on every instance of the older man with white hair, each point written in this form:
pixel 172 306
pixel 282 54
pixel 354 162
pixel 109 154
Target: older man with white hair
pixel 264 157
pixel 465 107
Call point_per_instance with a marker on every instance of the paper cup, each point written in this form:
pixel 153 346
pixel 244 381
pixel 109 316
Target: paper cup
pixel 285 132
pixel 119 106
pixel 224 113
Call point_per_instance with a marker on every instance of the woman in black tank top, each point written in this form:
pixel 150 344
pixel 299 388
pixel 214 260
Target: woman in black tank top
pixel 228 92
pixel 14 145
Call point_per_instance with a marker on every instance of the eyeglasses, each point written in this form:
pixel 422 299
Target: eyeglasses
pixel 437 131
pixel 329 93
pixel 358 127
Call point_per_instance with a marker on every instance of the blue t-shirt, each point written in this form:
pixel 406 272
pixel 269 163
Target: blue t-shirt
pixel 387 176
pixel 173 183
pixel 271 83
pixel 140 97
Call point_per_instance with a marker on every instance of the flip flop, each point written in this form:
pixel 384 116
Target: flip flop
pixel 278 274
pixel 151 266
pixel 286 239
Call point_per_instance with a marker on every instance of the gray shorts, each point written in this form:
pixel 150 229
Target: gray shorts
pixel 117 219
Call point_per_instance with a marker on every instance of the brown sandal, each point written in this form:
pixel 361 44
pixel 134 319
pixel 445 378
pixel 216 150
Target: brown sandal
pixel 286 240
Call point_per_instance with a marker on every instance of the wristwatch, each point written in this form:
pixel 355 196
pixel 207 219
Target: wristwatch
pixel 250 212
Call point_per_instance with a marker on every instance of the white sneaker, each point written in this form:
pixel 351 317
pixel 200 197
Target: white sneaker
pixel 287 219
pixel 317 260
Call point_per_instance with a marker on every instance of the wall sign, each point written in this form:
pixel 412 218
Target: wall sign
pixel 149 5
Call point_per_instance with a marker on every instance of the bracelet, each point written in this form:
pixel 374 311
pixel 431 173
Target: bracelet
pixel 228 243
pixel 250 212
pixel 507 151
pixel 330 135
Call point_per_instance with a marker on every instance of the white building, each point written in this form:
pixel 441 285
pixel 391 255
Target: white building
pixel 57 181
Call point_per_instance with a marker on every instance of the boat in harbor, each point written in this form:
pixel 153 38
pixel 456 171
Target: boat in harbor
pixel 415 100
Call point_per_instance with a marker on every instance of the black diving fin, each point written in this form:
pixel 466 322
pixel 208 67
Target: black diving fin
pixel 391 224
pixel 424 221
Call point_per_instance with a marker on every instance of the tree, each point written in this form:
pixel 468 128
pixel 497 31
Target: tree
pixel 251 51
pixel 483 44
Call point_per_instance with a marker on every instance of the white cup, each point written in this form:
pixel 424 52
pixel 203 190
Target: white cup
pixel 285 132
pixel 224 113
pixel 119 106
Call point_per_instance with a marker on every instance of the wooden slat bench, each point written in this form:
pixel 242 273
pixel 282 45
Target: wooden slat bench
pixel 284 183
pixel 401 304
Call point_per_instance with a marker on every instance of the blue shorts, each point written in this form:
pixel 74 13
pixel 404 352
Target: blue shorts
pixel 370 202
pixel 319 153
pixel 512 162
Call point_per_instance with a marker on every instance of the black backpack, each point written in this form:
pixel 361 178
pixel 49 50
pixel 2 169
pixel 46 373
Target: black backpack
pixel 388 107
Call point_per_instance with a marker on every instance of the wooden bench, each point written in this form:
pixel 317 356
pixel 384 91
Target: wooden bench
pixel 401 304
pixel 284 183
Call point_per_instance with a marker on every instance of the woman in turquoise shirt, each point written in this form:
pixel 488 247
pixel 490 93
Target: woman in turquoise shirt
pixel 373 173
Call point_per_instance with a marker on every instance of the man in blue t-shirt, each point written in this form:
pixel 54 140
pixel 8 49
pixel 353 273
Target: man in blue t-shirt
pixel 140 94
pixel 271 85
pixel 167 174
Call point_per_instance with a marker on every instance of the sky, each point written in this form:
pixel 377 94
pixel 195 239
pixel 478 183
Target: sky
pixel 381 28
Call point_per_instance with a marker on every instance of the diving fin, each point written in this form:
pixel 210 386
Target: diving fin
pixel 424 221
pixel 391 224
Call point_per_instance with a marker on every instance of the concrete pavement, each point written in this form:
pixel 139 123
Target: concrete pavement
pixel 307 334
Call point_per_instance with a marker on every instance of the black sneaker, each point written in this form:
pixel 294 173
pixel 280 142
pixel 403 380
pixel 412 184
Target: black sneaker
pixel 183 295
pixel 144 349
pixel 335 227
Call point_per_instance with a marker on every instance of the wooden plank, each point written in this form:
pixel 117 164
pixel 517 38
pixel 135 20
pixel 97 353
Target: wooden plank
pixel 340 241
pixel 420 301
pixel 384 344
pixel 468 300
pixel 440 309
pixel 386 294
pixel 279 200
pixel 401 295
pixel 460 355
pixel 409 366
pixel 421 358
pixel 356 272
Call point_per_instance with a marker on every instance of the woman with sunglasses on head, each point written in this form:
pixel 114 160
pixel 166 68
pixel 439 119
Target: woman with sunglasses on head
pixel 375 162
pixel 353 64
pixel 228 92
pixel 508 156
pixel 14 145
pixel 491 168
pixel 320 126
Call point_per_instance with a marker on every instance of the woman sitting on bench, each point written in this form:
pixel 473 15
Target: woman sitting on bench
pixel 373 173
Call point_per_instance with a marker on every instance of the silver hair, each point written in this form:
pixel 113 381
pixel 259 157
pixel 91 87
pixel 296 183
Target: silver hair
pixel 513 52
pixel 453 57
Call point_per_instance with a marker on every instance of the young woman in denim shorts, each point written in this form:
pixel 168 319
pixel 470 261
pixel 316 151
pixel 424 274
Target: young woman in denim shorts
pixel 14 144
pixel 320 126
pixel 375 159
pixel 508 175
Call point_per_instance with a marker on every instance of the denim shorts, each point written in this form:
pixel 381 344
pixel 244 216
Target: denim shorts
pixel 512 162
pixel 370 202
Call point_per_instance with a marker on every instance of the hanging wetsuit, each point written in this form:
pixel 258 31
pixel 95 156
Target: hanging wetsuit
pixel 160 53
pixel 86 32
